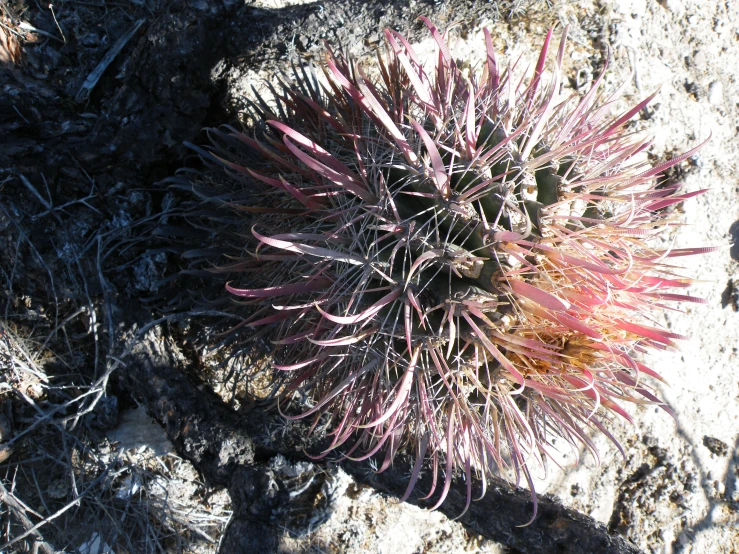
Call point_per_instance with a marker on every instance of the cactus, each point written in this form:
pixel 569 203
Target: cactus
pixel 459 267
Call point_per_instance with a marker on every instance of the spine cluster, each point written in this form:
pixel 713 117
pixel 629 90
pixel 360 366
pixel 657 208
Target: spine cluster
pixel 459 266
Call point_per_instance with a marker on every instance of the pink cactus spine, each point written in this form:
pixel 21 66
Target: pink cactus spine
pixel 461 267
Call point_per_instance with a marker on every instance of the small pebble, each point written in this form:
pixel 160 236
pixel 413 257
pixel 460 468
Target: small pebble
pixel 700 60
pixel 720 488
pixel 5 452
pixel 715 93
pixel 717 447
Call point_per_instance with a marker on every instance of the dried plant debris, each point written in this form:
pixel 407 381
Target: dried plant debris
pixel 64 485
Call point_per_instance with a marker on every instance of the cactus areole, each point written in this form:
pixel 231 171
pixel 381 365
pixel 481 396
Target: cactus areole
pixel 457 266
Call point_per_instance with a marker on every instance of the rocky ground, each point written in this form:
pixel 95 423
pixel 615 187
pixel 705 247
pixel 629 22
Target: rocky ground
pixel 96 101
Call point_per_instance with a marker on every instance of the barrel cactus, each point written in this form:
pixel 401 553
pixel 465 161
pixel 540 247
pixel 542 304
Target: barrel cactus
pixel 453 264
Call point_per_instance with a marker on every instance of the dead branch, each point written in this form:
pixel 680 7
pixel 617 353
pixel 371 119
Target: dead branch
pixel 31 530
